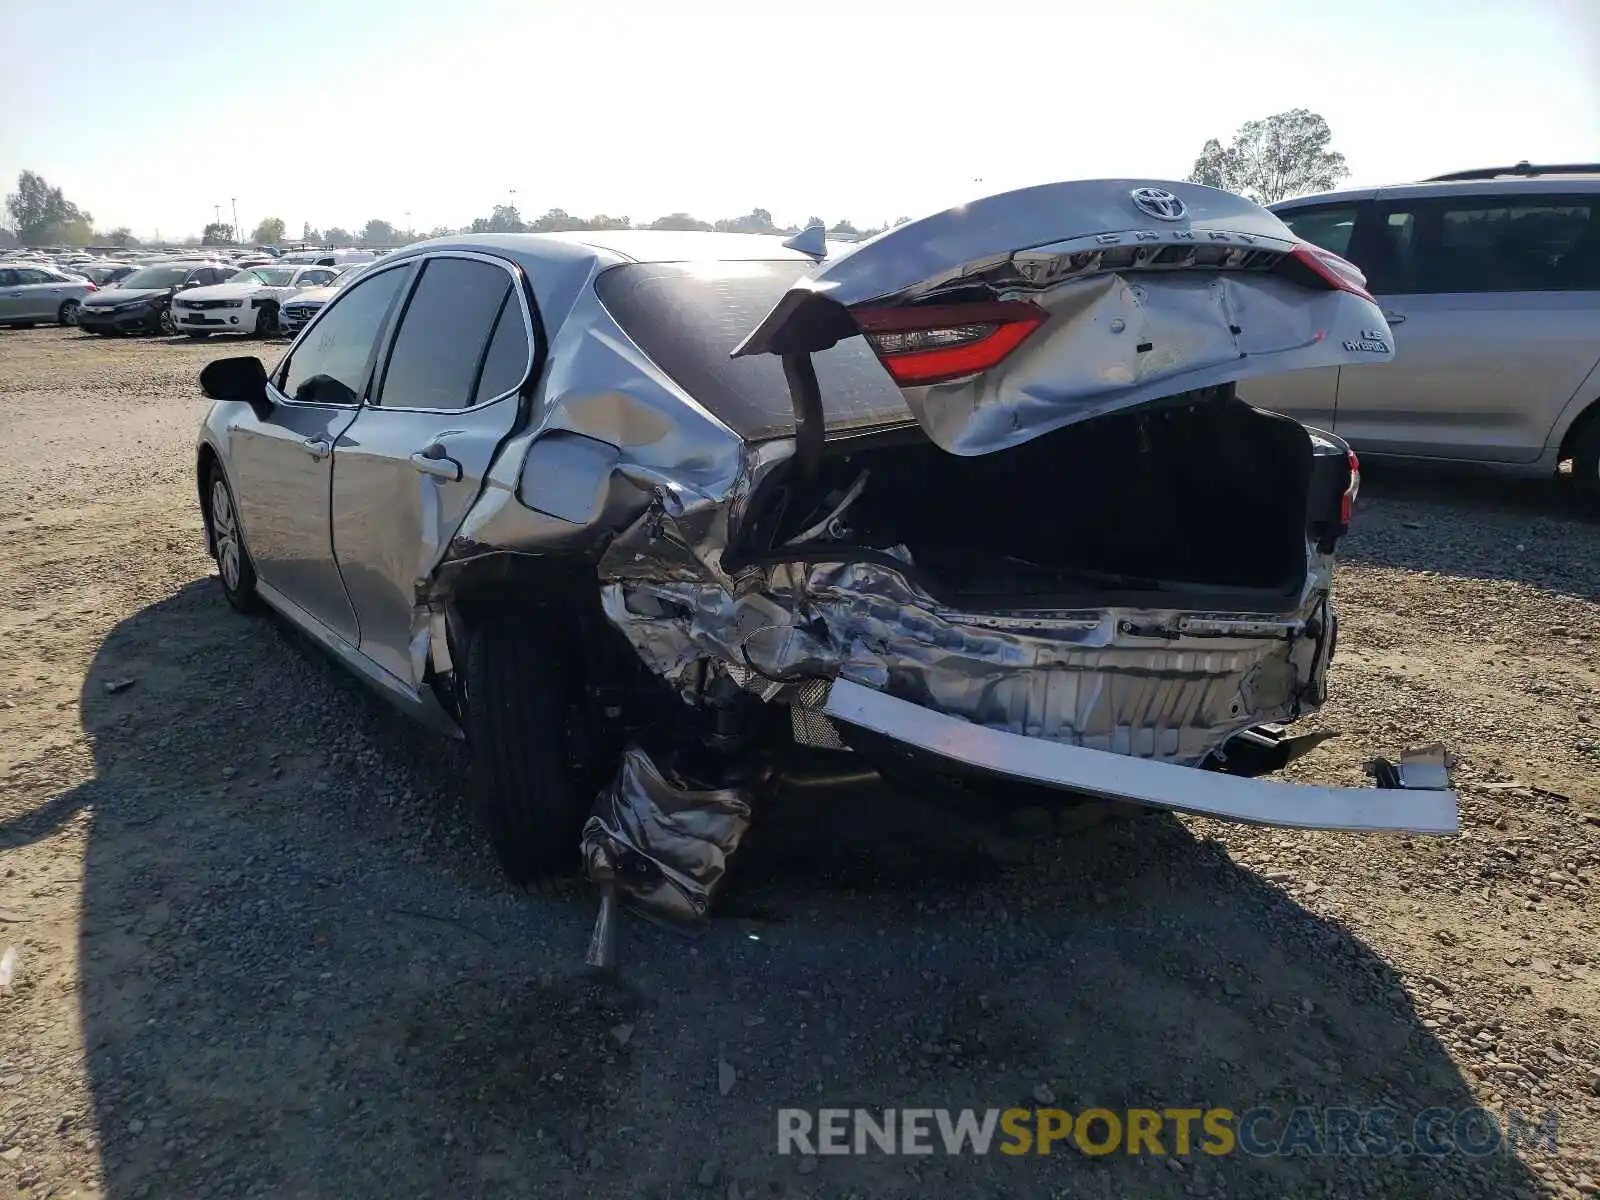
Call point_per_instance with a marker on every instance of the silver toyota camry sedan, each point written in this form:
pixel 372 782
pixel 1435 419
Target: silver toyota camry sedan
pixel 650 517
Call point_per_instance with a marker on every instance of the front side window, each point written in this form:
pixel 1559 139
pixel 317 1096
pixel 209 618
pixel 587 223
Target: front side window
pixel 30 276
pixel 1329 227
pixel 331 366
pixel 444 335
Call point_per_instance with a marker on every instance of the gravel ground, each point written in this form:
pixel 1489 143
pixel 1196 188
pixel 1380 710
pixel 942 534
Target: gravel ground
pixel 261 948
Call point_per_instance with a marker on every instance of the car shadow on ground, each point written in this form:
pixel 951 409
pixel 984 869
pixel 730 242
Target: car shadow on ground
pixel 283 995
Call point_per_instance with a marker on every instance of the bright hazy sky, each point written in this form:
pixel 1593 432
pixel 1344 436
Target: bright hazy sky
pixel 334 111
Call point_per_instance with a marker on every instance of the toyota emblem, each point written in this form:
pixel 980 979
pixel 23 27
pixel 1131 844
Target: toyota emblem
pixel 1159 203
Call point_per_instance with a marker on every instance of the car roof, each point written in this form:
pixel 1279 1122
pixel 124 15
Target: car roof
pixel 1564 183
pixel 633 245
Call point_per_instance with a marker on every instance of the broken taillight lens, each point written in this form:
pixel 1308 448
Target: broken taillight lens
pixel 1347 502
pixel 1340 274
pixel 919 346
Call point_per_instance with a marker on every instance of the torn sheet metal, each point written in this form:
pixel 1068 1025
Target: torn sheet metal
pixel 1173 689
pixel 663 848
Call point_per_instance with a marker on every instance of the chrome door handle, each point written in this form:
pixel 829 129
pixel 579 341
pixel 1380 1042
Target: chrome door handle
pixel 1395 318
pixel 435 460
pixel 317 447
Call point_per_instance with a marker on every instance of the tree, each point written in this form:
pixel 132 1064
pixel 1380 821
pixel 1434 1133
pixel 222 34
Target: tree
pixel 269 232
pixel 504 219
pixel 845 229
pixel 679 220
pixel 43 215
pixel 556 220
pixel 439 231
pixel 378 233
pixel 120 236
pixel 337 236
pixel 1279 156
pixel 217 233
pixel 602 221
pixel 308 234
pixel 757 220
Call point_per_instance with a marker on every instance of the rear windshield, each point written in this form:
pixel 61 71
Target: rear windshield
pixel 688 316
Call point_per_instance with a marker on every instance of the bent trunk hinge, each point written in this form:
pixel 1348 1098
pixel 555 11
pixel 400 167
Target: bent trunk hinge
pixel 806 397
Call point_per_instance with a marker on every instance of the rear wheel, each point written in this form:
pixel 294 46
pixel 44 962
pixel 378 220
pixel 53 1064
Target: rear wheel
pixel 68 313
pixel 517 708
pixel 1586 464
pixel 266 321
pixel 234 568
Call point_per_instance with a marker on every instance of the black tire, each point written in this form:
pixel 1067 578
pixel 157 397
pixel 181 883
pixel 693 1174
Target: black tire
pixel 67 314
pixel 266 321
pixel 517 721
pixel 238 574
pixel 1586 465
pixel 199 337
pixel 166 324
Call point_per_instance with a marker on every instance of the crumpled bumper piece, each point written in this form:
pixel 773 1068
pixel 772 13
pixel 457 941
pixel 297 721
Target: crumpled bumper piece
pixel 661 848
pixel 1402 807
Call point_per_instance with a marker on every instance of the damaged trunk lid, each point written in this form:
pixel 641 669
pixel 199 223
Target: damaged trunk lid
pixel 1019 314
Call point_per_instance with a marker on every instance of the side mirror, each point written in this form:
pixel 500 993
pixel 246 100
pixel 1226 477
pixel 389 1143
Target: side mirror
pixel 242 378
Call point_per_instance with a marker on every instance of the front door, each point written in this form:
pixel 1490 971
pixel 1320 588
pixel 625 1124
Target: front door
pixel 1493 309
pixel 281 467
pixel 416 459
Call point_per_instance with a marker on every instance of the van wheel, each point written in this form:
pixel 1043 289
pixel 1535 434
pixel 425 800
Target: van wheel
pixel 1586 465
pixel 517 701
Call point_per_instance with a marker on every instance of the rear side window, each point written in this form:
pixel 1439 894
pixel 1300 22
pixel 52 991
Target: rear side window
pixel 1330 228
pixel 509 350
pixel 1471 244
pixel 444 335
pixel 688 316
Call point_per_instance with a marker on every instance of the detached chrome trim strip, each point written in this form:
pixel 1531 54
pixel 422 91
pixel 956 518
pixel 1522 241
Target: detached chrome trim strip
pixel 1141 781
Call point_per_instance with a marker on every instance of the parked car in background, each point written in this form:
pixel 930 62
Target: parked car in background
pixel 107 274
pixel 295 310
pixel 1490 280
pixel 30 293
pixel 328 258
pixel 638 561
pixel 246 303
pixel 142 301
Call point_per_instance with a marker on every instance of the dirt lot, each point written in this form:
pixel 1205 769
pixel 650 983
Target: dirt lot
pixel 261 948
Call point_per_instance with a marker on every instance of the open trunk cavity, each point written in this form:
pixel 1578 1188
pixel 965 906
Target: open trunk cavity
pixel 1198 494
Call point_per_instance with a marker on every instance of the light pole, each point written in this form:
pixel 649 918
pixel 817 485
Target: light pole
pixel 234 200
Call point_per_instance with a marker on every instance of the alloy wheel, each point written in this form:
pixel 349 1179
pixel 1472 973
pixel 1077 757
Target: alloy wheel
pixel 167 324
pixel 69 313
pixel 225 533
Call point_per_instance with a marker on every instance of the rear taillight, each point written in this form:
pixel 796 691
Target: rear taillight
pixel 1337 273
pixel 1347 502
pixel 89 287
pixel 919 346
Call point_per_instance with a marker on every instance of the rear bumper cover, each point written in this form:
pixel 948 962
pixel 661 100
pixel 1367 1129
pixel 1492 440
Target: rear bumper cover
pixel 1418 799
